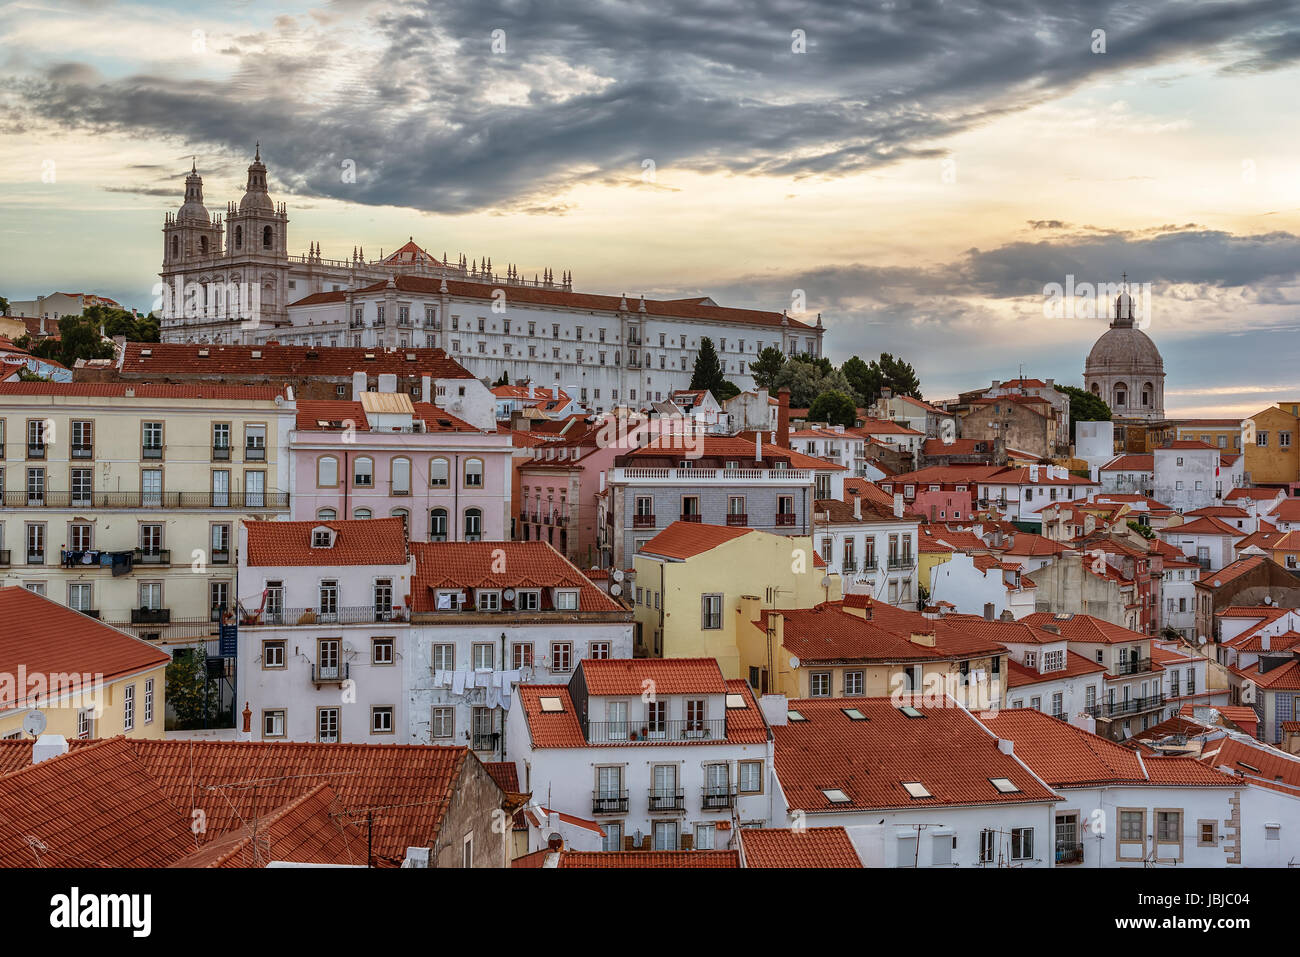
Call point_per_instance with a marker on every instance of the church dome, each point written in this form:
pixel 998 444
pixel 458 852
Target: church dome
pixel 1124 349
pixel 256 198
pixel 193 208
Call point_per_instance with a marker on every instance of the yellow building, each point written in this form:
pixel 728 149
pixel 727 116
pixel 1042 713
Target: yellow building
pixel 121 500
pixel 86 679
pixel 699 586
pixel 861 647
pixel 1224 434
pixel 1270 440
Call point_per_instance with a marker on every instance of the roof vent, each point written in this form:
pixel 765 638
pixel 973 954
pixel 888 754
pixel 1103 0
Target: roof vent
pixel 146 352
pixel 313 355
pixel 410 357
pixel 203 353
pixel 370 357
pixel 257 353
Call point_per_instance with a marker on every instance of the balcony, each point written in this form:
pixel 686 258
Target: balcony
pixel 717 798
pixel 151 451
pixel 151 616
pixel 255 453
pixel 346 615
pixel 35 450
pixel 221 453
pixel 897 563
pixel 152 556
pixel 609 802
pixel 330 674
pixel 848 567
pixel 22 498
pixel 737 519
pixel 1069 853
pixel 643 521
pixel 728 477
pixel 485 740
pixel 1133 666
pixel 667 799
pixel 35 556
pixel 692 517
pixel 784 519
pixel 620 732
pixel 1119 709
pixel 83 451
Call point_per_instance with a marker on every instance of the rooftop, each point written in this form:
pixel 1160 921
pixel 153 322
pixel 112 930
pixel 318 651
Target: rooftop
pixel 373 541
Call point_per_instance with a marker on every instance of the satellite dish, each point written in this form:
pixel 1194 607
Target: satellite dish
pixel 34 723
pixel 1201 640
pixel 508 594
pixel 1268 599
pixel 826 581
pixel 619 574
pixel 616 589
pixel 794 662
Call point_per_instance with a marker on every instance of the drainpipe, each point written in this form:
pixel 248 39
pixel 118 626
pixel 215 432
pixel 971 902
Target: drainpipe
pixel 347 478
pixel 453 523
pixel 503 716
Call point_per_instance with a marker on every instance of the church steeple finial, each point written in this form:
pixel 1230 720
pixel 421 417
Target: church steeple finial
pixel 257 152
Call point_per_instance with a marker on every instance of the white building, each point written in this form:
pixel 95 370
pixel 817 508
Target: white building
pixel 874 549
pixel 1187 475
pixel 1208 541
pixel 971 583
pixel 322 633
pixel 488 615
pixel 664 751
pixel 1043 674
pixel 1130 473
pixel 933 785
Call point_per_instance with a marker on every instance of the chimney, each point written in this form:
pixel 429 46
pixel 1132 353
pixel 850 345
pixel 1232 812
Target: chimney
pixel 1054 629
pixel 857 507
pixel 925 639
pixel 775 710
pixel 248 719
pixel 1033 473
pixel 898 505
pixel 783 417
pixel 1264 642
pixel 48 746
pixel 988 611
pixel 555 843
pixel 426 388
pixel 758 446
pixel 358 385
pixel 530 389
pixel 1006 746
pixel 388 382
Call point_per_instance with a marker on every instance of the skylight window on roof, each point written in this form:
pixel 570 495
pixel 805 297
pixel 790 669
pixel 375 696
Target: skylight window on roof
pixel 370 357
pixel 1248 767
pixel 1003 785
pixel 795 716
pixel 916 789
pixel 911 712
pixel 836 796
pixel 257 354
pixel 551 705
pixel 853 714
pixel 736 701
pixel 146 352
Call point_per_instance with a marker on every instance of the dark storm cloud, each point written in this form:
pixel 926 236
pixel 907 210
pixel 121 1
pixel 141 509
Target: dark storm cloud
pixel 707 86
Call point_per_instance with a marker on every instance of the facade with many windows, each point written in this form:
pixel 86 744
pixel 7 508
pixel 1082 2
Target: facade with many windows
pixel 122 501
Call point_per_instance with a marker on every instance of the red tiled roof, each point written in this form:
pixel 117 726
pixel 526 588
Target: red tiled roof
pixel 370 541
pixel 1080 627
pixel 1282 678
pixel 937 538
pixel 313 412
pixel 1131 463
pixel 628 676
pixel 1029 544
pixel 1076 665
pixel 813 847
pixel 583 302
pixel 1220 511
pixel 935 447
pixel 50 639
pixel 460 565
pixel 649 859
pixel 1287 511
pixel 1205 525
pixel 735 447
pixel 1187 445
pixel 688 539
pixel 1261 494
pixel 829 633
pixel 1265 766
pixel 1229 572
pixel 177 358
pixel 143 390
pixel 946 750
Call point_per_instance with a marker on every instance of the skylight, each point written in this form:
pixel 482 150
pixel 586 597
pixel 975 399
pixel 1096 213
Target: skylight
pixel 1003 785
pixel 836 796
pixel 795 716
pixel 916 789
pixel 736 701
pixel 551 705
pixel 911 712
pixel 854 714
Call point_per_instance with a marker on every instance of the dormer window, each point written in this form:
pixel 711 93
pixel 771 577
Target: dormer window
pixel 322 536
pixel 487 600
pixel 447 600
pixel 566 600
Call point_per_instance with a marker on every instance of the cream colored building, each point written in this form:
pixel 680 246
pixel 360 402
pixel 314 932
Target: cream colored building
pixel 699 586
pixel 121 500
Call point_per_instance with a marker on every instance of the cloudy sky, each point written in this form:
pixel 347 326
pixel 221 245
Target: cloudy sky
pixel 920 170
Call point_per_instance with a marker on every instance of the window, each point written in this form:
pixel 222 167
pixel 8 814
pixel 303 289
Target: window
pixel 665 836
pixel 521 654
pixel 561 657
pixel 483 728
pixel 444 657
pixel 530 600
pixel 1207 833
pixel 128 708
pixel 148 701
pixel 326 514
pixel 327 725
pixel 473 473
pixel 473 524
pixel 749 776
pixel 438 473
pixel 363 473
pixel 151 439
pixel 988 846
pixel 255 443
pixel 381 719
pixel 328 608
pixel 1022 843
pixel 80 537
pixel 1131 827
pixel 381 651
pixel 273 654
pixel 82 483
pixel 711 611
pixel 483 656
pixel 442 723
pixel 598 650
pixel 401 472
pixel 853 683
pixel 566 600
pixel 1169 827
pixel 438 525
pixel 273 724
pixel 819 684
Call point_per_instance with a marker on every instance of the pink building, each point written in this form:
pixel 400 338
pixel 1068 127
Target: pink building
pixel 557 494
pixel 385 456
pixel 943 506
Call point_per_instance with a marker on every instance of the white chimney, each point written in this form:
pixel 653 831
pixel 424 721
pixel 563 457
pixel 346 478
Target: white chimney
pixel 758 446
pixel 530 390
pixel 857 507
pixel 1006 746
pixel 358 385
pixel 775 710
pixel 388 382
pixel 1033 473
pixel 48 746
pixel 898 505
pixel 426 388
pixel 416 857
pixel 1263 642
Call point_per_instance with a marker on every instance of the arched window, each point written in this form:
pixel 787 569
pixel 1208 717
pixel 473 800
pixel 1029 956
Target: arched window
pixel 326 514
pixel 239 237
pixel 473 524
pixel 1121 393
pixel 1148 391
pixel 473 473
pixel 405 516
pixel 438 525
pixel 363 473
pixel 362 513
pixel 327 472
pixel 401 476
pixel 438 473
pixel 266 238
pixel 176 247
pixel 203 245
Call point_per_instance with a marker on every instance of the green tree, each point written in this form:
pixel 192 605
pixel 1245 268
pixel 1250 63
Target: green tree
pixel 834 407
pixel 806 380
pixel 868 379
pixel 726 391
pixel 503 379
pixel 707 373
pixel 1144 530
pixel 1084 406
pixel 4 306
pixel 765 367
pixel 187 689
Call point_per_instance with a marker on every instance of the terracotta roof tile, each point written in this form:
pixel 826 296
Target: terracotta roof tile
pixel 688 539
pixel 649 859
pixel 1255 762
pixel 176 358
pixel 813 847
pixel 372 541
pixel 143 390
pixel 1076 665
pixel 1086 628
pixel 627 676
pixel 468 565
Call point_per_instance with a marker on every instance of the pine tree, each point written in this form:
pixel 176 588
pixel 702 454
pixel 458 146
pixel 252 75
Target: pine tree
pixel 708 370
